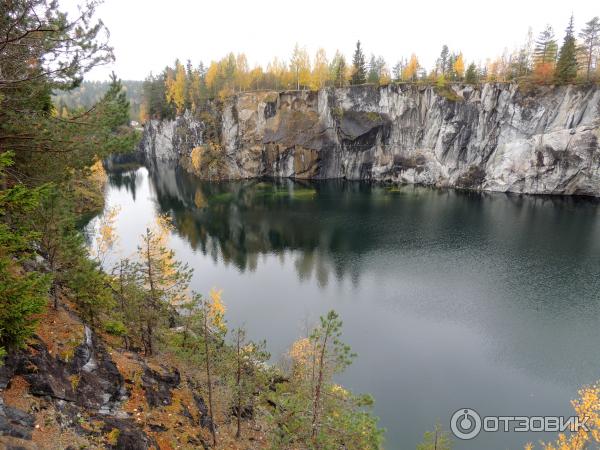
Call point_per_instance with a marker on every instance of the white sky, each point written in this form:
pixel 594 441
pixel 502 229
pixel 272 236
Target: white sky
pixel 149 34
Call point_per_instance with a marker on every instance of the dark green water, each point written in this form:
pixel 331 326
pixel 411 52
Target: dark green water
pixel 450 299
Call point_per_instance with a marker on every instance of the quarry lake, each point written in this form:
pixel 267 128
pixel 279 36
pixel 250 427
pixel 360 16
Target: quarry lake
pixel 450 299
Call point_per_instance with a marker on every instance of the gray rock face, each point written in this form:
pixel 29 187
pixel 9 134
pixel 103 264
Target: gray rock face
pixel 495 137
pixel 166 139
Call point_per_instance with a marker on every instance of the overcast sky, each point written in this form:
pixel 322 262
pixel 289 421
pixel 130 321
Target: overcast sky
pixel 149 34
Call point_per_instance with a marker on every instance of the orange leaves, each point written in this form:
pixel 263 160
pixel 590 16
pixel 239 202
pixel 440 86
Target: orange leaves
pixel 410 71
pixel 544 72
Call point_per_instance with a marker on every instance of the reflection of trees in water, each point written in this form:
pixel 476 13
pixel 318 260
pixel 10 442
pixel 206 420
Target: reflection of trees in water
pixel 311 222
pixel 125 178
pixel 338 228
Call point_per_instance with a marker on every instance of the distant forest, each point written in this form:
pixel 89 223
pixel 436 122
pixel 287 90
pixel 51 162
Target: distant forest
pixel 91 92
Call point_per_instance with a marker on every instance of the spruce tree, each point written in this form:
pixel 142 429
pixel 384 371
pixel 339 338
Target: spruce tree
pixel 359 67
pixel 566 68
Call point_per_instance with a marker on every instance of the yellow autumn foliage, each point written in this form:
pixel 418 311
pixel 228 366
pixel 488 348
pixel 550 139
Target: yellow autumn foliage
pixel 215 308
pixel 410 71
pixel 196 157
pixel 459 66
pixel 107 237
pixel 587 405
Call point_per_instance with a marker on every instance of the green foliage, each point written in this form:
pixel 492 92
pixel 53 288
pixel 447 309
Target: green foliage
pixel 149 289
pixel 567 65
pixel 337 70
pixel 43 50
pixel 89 93
pixel 446 91
pixel 129 296
pixel 376 66
pixel 359 66
pixel 115 328
pixel 48 147
pixel 438 439
pixel 471 76
pixel 23 293
pixel 312 411
pixel 89 287
pixel 155 104
pixel 248 360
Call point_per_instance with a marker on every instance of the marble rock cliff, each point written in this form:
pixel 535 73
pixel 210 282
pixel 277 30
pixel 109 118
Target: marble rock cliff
pixel 496 137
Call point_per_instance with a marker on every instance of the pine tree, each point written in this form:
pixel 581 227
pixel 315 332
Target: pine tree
pixel 164 279
pixel 566 67
pixel 438 439
pixel 359 67
pixel 212 331
pixel 330 356
pixel 314 412
pixel 590 36
pixel 248 356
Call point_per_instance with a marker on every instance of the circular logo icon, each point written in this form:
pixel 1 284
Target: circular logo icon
pixel 465 423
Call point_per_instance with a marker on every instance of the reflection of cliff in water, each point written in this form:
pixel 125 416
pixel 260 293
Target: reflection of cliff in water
pixel 238 221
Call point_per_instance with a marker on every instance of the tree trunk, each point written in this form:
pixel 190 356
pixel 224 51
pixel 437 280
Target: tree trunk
pixel 238 433
pixel 210 402
pixel 55 295
pixel 319 387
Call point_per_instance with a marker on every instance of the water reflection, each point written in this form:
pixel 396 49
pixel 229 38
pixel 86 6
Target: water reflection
pixel 451 299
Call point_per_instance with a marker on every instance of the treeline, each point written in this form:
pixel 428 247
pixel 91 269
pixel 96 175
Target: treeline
pixel 90 93
pixel 540 60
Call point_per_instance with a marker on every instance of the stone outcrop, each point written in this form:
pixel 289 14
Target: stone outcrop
pixel 496 137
